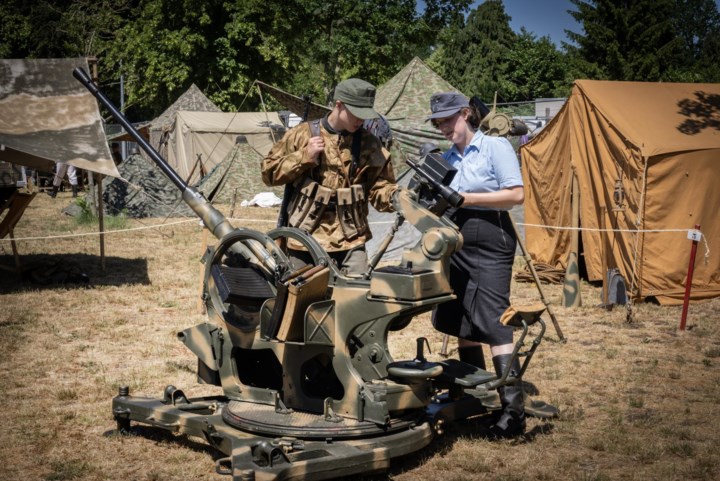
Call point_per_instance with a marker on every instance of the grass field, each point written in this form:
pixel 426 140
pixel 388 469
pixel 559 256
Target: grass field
pixel 637 400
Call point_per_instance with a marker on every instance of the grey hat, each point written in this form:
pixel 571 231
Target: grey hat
pixel 446 104
pixel 358 96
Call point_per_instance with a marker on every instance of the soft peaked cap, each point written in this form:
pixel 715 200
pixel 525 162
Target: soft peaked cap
pixel 358 96
pixel 446 104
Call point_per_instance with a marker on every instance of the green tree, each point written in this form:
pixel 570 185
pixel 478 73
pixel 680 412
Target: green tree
pixel 372 39
pixel 536 68
pixel 697 23
pixel 57 29
pixel 160 47
pixel 475 54
pixel 628 40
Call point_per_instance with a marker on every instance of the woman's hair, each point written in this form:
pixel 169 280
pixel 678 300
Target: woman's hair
pixel 473 118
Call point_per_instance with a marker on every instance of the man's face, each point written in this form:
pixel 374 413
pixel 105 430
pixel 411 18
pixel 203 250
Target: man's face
pixel 347 120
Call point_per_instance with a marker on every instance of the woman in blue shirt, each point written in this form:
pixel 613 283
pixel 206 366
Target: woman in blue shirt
pixel 488 176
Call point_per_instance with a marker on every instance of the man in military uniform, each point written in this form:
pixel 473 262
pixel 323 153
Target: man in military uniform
pixel 336 168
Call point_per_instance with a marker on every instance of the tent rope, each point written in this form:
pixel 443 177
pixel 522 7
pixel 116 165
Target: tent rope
pixel 639 220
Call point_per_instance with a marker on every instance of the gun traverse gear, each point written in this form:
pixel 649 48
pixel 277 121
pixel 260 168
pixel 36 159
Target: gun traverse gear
pixel 310 388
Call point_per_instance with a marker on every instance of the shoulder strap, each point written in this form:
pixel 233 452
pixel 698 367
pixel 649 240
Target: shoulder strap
pixel 314 127
pixel 355 152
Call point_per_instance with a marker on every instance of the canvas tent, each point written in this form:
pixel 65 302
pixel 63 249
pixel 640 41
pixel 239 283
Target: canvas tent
pixel 647 158
pixel 229 145
pixel 198 141
pixel 404 101
pixel 144 190
pixel 48 116
pixel 154 131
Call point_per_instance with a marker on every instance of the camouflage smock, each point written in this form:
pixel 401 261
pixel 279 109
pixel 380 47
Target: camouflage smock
pixel 288 161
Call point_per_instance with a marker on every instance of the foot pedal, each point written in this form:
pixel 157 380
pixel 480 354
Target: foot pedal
pixel 464 374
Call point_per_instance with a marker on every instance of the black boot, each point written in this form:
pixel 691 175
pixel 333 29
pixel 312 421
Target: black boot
pixel 74 190
pixel 53 192
pixel 512 419
pixel 472 355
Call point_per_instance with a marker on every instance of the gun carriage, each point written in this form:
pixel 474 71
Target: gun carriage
pixel 310 388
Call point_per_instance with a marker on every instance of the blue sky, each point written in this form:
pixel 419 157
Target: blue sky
pixel 543 17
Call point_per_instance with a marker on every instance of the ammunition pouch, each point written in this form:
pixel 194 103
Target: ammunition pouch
pixel 309 205
pixel 345 213
pixel 352 211
pixel 302 202
pixel 360 207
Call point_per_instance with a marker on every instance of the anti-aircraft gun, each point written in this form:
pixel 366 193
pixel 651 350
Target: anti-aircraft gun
pixel 310 389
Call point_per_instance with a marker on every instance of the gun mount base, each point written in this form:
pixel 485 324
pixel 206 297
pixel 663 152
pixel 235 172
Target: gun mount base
pixel 290 445
pixel 266 421
pixel 270 456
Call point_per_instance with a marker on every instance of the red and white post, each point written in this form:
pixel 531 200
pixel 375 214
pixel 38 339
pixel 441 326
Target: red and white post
pixel 694 235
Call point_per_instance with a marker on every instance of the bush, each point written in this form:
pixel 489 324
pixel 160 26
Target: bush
pixel 86 216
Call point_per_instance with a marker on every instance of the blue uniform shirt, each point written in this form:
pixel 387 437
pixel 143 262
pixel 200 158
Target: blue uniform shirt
pixel 489 164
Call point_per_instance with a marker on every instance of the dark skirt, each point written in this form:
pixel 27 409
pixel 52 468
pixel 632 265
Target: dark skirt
pixel 480 275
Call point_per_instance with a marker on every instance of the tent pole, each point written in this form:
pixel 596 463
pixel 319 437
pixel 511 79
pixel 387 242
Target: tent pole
pixel 101 220
pixel 97 205
pixel 571 286
pixel 531 266
pixel 605 261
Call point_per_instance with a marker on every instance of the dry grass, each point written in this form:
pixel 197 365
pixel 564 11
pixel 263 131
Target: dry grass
pixel 638 401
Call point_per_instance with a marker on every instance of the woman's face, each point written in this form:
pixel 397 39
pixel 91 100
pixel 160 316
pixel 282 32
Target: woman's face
pixel 453 128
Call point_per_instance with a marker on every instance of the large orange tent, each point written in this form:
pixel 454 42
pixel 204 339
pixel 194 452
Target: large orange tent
pixel 647 161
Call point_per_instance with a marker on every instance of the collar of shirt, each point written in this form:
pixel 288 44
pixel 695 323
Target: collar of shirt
pixel 453 155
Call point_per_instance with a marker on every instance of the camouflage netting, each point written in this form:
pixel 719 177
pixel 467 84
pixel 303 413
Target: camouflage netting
pixel 143 191
pixel 238 174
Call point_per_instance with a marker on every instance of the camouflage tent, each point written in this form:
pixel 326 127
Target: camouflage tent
pixel 48 116
pixel 238 175
pixel 239 140
pixel 143 191
pixel 404 101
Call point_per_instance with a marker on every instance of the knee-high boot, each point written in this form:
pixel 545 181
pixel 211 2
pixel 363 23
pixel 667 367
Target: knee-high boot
pixel 512 420
pixel 74 190
pixel 54 191
pixel 472 355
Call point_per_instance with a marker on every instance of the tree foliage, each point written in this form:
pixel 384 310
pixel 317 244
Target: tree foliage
pixel 476 53
pixel 647 40
pixel 536 69
pixel 161 47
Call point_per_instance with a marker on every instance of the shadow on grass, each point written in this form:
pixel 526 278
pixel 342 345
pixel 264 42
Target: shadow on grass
pixel 49 271
pixel 160 435
pixel 472 428
pixel 476 428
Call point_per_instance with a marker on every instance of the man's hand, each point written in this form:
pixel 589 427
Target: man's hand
pixel 315 146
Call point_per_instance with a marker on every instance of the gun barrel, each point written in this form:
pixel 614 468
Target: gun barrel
pixel 84 79
pixel 213 219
